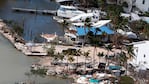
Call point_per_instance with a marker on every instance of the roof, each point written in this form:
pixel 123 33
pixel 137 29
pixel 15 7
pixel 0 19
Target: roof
pixel 68 7
pixel 134 17
pixel 81 16
pixel 63 0
pixel 146 19
pixel 101 23
pixel 96 25
pixel 49 37
pixel 81 31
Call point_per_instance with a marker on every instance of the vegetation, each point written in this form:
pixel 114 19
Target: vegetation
pixel 51 51
pixel 86 55
pixel 146 14
pixel 16 28
pixel 126 80
pixel 125 4
pixel 41 72
pixel 141 28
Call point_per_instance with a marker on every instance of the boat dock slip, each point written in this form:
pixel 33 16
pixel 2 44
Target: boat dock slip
pixel 51 12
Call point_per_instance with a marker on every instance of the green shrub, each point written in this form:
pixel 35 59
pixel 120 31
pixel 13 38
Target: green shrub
pixel 126 80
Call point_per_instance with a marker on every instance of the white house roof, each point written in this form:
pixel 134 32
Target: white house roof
pixel 140 42
pixel 126 15
pixel 101 23
pixel 78 24
pixel 67 7
pixel 63 0
pixel 96 25
pixel 81 16
pixel 134 17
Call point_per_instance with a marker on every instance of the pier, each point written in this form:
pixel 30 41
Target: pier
pixel 50 12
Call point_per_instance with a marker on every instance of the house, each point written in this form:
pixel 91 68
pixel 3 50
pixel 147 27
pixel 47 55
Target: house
pixel 141 51
pixel 143 5
pixel 49 37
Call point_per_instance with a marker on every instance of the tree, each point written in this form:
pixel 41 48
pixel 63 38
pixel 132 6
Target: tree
pixel 79 52
pixel 130 51
pixel 146 31
pixel 70 59
pixel 68 53
pixel 86 55
pixel 127 55
pixel 100 54
pixel 109 48
pixel 96 42
pixel 102 3
pixel 87 26
pixel 51 51
pixel 65 24
pixel 60 56
pixel 137 26
pixel 123 58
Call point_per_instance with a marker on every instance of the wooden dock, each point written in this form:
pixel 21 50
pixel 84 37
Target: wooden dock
pixel 50 12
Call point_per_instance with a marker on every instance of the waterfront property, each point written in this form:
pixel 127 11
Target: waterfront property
pixel 81 31
pixel 94 16
pixel 141 54
pixel 143 5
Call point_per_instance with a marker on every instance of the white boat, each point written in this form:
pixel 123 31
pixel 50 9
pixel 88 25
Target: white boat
pixel 68 11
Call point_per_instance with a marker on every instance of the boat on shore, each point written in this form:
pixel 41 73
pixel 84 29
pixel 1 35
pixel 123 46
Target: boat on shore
pixel 68 11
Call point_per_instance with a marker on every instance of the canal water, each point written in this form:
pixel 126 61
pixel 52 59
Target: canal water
pixel 14 64
pixel 34 24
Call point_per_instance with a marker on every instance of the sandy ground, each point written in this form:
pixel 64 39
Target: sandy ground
pixel 40 47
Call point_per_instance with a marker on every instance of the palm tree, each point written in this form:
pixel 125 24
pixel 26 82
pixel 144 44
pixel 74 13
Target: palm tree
pixel 86 55
pixel 146 31
pixel 122 58
pixel 79 52
pixel 60 56
pixel 65 24
pixel 130 51
pixel 109 48
pixel 69 58
pixel 87 26
pixel 100 54
pixel 51 51
pixel 96 41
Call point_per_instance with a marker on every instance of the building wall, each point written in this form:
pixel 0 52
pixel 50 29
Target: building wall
pixel 141 51
pixel 143 7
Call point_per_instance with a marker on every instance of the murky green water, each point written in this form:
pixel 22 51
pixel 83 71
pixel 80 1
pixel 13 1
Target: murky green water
pixel 14 65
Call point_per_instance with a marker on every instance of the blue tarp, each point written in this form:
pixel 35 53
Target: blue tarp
pixel 95 81
pixel 114 67
pixel 81 31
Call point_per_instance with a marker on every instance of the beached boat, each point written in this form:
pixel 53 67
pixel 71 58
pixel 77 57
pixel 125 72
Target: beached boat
pixel 68 11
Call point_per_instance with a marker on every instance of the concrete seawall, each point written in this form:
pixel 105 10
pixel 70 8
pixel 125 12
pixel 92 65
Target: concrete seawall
pixel 36 50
